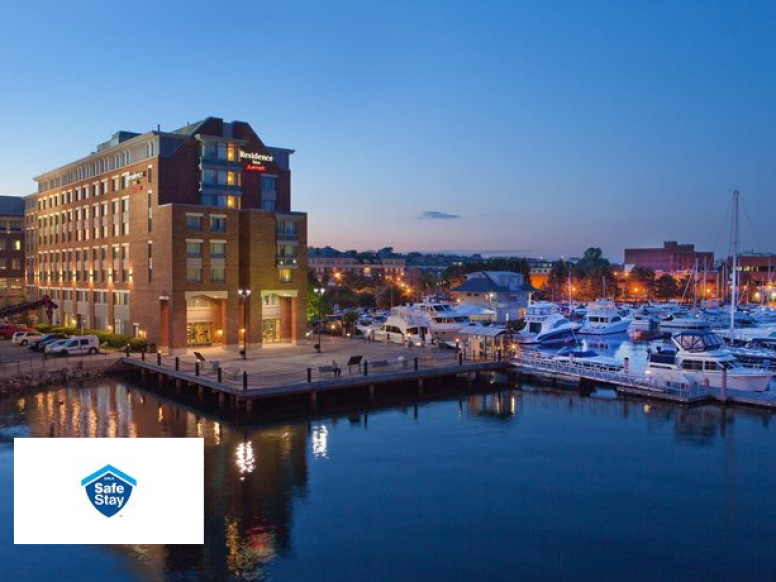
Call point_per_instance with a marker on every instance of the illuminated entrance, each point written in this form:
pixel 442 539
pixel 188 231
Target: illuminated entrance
pixel 277 316
pixel 204 321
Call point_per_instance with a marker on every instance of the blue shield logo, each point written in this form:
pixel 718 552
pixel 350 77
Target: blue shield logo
pixel 108 489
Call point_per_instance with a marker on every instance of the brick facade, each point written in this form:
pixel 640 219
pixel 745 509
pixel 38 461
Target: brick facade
pixel 154 234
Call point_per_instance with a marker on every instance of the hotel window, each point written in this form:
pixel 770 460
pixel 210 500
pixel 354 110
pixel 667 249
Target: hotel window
pixel 194 249
pixel 2 244
pixel 215 177
pixel 2 264
pixel 116 184
pixel 193 274
pixel 285 275
pixel 269 184
pixel 125 181
pixel 217 274
pixel 217 249
pixel 217 223
pixel 233 178
pixel 231 153
pixel 194 222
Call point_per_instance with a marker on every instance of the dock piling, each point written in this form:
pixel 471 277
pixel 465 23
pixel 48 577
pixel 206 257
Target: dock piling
pixel 177 363
pixel 245 380
pixel 196 369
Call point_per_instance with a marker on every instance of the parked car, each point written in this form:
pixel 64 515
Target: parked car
pixel 8 329
pixel 39 344
pixel 51 346
pixel 77 346
pixel 24 337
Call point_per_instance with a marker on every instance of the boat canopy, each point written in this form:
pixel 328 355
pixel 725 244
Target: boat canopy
pixel 697 341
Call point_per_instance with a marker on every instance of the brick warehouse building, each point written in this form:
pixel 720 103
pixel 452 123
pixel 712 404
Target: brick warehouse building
pixel 154 235
pixel 11 249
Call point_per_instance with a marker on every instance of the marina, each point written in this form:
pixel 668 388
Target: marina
pixel 294 373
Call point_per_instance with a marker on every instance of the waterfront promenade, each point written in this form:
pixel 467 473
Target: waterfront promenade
pixel 291 370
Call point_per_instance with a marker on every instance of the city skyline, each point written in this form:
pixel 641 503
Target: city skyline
pixel 428 126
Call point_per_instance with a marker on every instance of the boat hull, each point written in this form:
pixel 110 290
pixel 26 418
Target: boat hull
pixel 609 329
pixel 754 382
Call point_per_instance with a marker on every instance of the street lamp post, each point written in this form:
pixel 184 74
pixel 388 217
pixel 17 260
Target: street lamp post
pixel 319 292
pixel 244 294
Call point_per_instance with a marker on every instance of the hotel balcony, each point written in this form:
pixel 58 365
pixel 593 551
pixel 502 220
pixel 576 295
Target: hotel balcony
pixel 287 262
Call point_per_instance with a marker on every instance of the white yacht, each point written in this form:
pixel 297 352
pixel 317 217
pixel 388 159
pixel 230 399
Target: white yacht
pixel 535 314
pixel 401 328
pixel 700 360
pixel 441 318
pixel 679 321
pixel 551 329
pixel 643 319
pixel 588 359
pixel 604 318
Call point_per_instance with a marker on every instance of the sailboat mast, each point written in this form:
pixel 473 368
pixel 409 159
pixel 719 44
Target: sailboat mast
pixel 734 273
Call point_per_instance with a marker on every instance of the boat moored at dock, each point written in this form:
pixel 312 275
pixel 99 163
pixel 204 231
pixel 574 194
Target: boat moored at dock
pixel 699 358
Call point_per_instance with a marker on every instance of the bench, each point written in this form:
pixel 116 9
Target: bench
pixel 354 361
pixel 329 370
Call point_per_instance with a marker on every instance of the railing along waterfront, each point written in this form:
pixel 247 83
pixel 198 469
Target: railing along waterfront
pixel 235 374
pixel 596 371
pixel 20 367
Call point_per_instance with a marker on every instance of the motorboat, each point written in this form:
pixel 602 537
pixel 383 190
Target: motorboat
pixel 588 359
pixel 643 319
pixel 680 321
pixel 441 318
pixel 554 328
pixel 604 318
pixel 700 360
pixel 401 328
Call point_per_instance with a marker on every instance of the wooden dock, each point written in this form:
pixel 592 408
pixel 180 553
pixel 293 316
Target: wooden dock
pixel 626 383
pixel 241 389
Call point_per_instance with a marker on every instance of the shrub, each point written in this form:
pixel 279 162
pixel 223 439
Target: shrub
pixel 137 344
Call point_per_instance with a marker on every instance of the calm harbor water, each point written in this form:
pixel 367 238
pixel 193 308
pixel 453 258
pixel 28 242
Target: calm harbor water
pixel 504 484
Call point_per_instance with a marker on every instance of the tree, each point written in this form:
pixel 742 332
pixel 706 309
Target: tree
pixel 666 287
pixel 642 282
pixel 557 281
pixel 592 259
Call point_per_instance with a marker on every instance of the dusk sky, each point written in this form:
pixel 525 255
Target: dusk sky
pixel 536 128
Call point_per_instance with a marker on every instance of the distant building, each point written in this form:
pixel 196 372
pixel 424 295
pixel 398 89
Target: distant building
pixel 11 249
pixel 503 293
pixel 539 271
pixel 756 276
pixel 673 258
pixel 328 262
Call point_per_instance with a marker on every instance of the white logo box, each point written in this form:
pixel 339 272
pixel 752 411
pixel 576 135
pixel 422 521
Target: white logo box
pixel 52 507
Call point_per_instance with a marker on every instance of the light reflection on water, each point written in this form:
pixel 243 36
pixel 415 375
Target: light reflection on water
pixel 424 491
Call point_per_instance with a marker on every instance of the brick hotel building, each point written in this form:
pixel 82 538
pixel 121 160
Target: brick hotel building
pixel 159 236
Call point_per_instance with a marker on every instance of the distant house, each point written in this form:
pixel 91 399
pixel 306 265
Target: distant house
pixel 503 293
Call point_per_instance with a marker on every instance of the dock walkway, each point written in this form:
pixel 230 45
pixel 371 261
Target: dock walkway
pixel 288 370
pixel 625 382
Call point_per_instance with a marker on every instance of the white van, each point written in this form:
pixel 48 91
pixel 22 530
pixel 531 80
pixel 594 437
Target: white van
pixel 77 346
